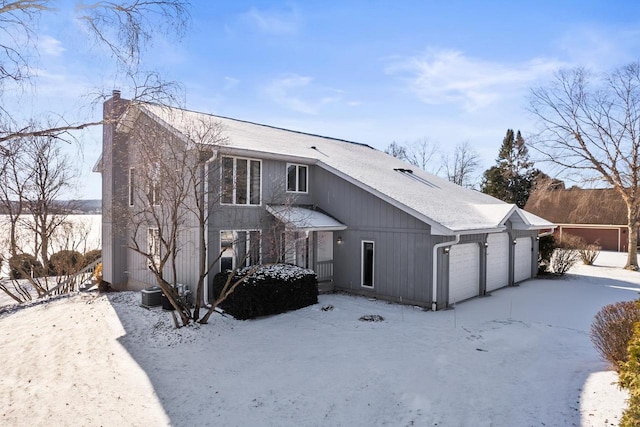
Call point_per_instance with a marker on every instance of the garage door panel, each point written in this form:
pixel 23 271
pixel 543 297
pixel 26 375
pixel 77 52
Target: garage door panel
pixel 522 259
pixel 497 261
pixel 464 272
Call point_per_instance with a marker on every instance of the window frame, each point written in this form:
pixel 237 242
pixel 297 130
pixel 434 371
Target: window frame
pixel 234 182
pixel 154 186
pixel 298 166
pixel 247 243
pixel 362 263
pixel 131 183
pixel 153 236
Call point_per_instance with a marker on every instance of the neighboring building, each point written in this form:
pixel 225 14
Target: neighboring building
pixel 596 215
pixel 366 222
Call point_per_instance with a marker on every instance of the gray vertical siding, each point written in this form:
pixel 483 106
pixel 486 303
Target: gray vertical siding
pixel 403 244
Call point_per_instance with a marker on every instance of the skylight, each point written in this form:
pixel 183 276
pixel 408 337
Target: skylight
pixel 409 173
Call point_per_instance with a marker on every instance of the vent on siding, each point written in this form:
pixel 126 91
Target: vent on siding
pixel 409 173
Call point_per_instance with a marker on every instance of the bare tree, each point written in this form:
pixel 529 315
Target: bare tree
pixel 15 174
pixel 590 126
pixel 50 175
pixel 419 153
pixel 125 28
pixel 422 152
pixel 397 150
pixel 460 169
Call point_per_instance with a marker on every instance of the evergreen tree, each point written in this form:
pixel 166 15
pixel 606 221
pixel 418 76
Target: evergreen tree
pixel 513 176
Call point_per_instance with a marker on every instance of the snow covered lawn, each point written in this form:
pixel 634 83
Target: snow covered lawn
pixel 521 357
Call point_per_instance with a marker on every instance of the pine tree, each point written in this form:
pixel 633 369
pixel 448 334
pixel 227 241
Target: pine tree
pixel 512 178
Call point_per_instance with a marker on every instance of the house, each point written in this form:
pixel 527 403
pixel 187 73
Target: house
pixel 596 215
pixel 366 222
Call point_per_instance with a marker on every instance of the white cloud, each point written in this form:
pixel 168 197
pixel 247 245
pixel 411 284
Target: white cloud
pixel 50 46
pixel 274 22
pixel 601 48
pixel 450 77
pixel 299 94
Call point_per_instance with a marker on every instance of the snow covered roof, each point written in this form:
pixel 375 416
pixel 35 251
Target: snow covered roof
pixel 448 208
pixel 305 219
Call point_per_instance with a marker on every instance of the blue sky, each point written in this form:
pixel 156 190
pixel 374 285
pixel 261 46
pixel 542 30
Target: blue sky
pixel 367 71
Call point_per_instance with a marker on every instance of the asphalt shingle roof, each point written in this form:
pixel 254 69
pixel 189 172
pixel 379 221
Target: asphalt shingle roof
pixel 449 208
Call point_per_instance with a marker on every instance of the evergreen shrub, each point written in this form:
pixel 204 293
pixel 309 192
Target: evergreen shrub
pixel 629 376
pixel 547 245
pixel 267 289
pixel 612 329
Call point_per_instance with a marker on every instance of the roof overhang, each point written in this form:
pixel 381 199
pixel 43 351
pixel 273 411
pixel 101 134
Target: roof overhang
pixel 305 219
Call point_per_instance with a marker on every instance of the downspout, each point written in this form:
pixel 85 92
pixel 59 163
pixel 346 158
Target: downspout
pixel 206 233
pixel 434 291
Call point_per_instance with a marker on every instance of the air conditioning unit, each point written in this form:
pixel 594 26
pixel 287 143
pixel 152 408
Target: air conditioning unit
pixel 151 297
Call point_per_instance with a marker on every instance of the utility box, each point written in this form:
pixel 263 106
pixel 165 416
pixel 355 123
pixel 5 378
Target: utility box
pixel 151 297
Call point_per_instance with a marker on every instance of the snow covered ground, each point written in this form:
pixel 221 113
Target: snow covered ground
pixel 521 357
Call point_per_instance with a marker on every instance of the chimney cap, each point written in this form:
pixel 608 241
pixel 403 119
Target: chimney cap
pixel 116 94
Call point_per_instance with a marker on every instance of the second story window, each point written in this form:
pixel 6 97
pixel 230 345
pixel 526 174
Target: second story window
pixel 241 181
pixel 297 178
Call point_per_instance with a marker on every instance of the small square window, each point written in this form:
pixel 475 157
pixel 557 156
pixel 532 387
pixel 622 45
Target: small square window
pixel 297 178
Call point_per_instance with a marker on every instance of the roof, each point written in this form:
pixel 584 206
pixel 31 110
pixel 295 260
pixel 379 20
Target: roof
pixel 306 219
pixel 448 208
pixel 579 206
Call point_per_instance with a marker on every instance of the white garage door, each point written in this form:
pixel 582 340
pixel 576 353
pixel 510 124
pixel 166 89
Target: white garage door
pixel 464 272
pixel 522 267
pixel 497 261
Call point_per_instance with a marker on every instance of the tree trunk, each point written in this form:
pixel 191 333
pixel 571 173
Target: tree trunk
pixel 13 249
pixel 634 225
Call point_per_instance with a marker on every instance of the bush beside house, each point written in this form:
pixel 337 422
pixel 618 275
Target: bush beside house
pixel 266 290
pixel 23 266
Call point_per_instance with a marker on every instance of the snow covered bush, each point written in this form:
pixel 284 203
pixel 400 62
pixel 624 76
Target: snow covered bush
pixel 267 289
pixel 563 259
pixel 612 329
pixel 589 252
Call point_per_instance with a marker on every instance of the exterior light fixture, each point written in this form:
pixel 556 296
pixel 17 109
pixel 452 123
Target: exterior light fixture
pixel 339 240
pixel 486 244
pixel 515 241
pixel 447 249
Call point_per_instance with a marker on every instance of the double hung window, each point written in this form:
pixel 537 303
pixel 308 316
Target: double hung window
pixel 297 178
pixel 241 181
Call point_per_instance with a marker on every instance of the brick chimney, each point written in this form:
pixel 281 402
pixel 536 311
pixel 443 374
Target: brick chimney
pixel 116 94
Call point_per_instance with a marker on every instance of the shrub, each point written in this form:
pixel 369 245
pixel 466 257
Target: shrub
pixel 24 265
pixel 589 252
pixel 629 376
pixel 563 259
pixel 66 262
pixel 270 289
pixel 91 256
pixel 612 329
pixel 566 254
pixel 547 245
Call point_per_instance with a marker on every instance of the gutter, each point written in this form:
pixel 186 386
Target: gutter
pixel 434 291
pixel 206 233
